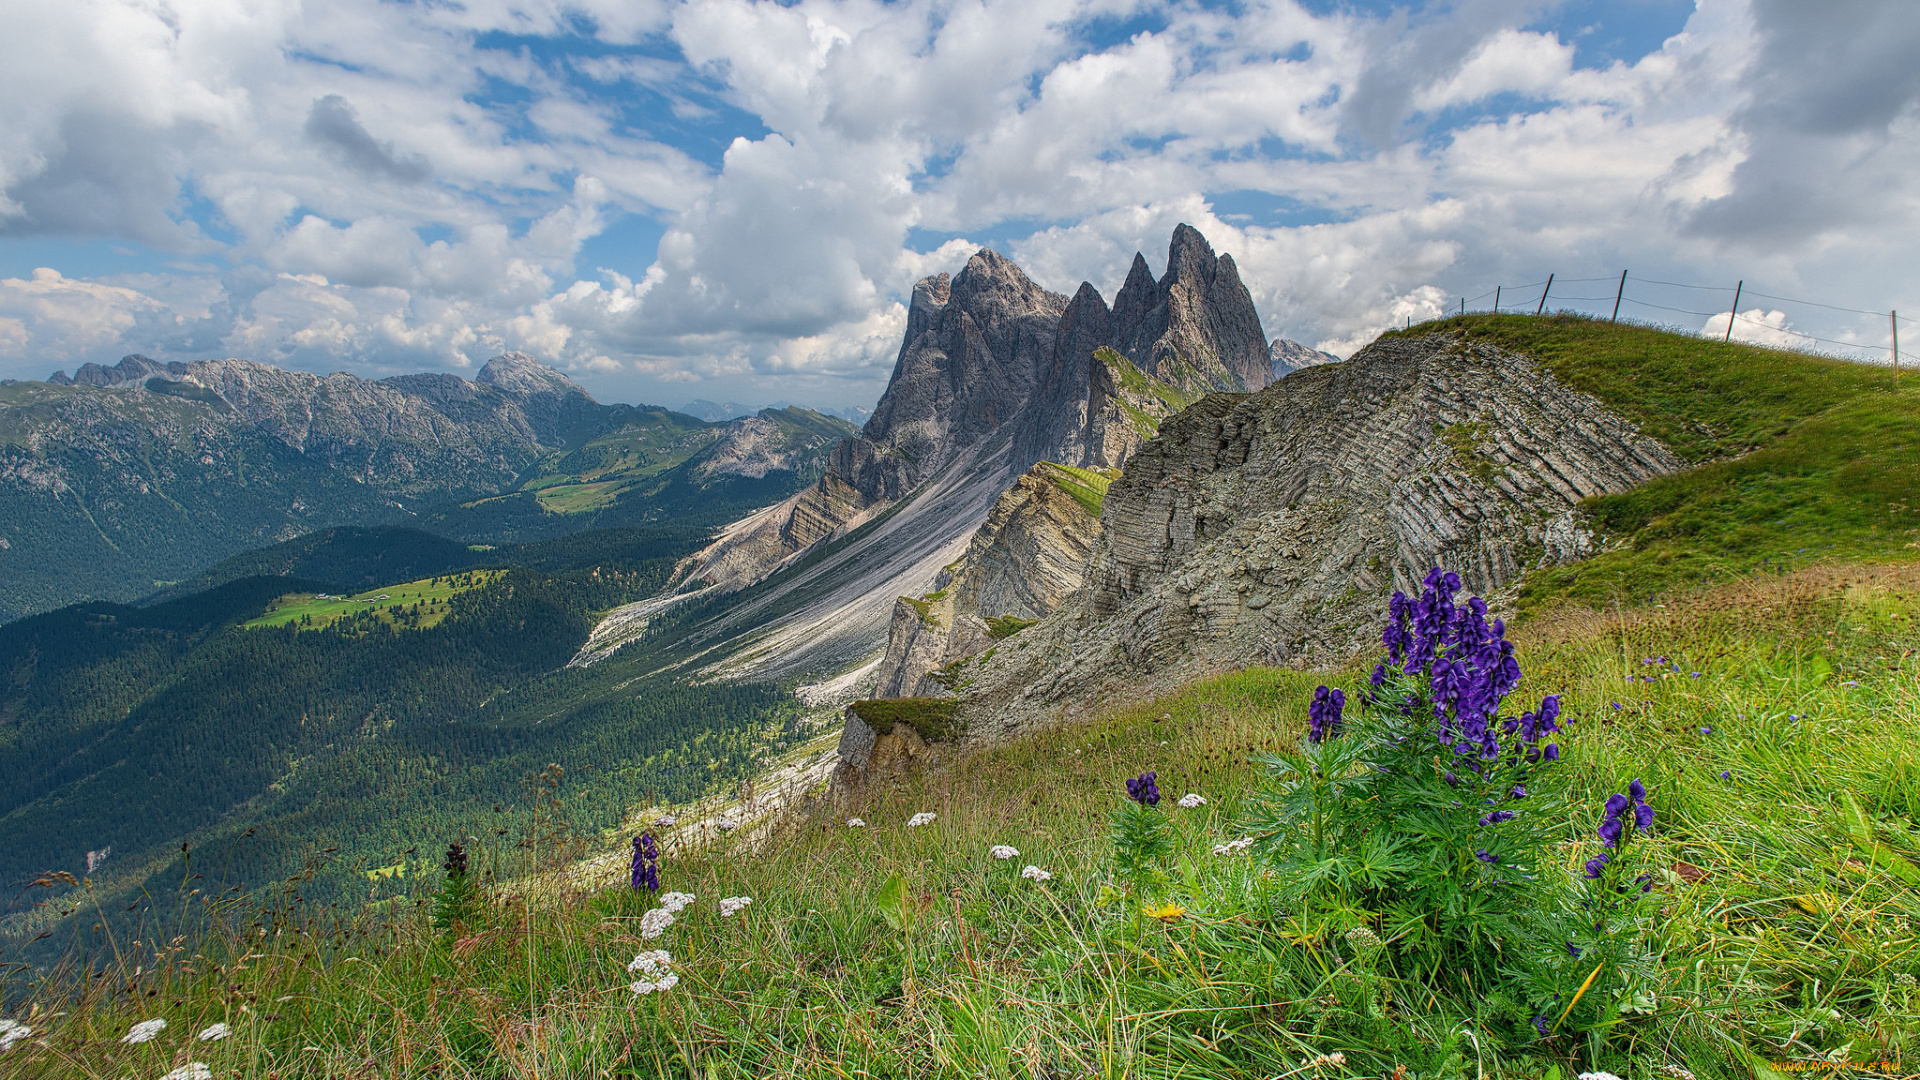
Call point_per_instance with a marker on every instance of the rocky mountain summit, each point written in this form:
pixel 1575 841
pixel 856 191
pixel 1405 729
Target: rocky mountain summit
pixel 995 375
pixel 1269 528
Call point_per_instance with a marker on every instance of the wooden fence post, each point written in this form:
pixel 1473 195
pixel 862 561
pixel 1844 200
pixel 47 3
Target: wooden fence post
pixel 1618 295
pixel 1496 299
pixel 1543 295
pixel 1893 319
pixel 1735 313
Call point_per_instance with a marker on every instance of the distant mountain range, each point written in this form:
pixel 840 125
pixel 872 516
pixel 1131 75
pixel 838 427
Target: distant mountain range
pixel 1291 356
pixel 120 480
pixel 715 412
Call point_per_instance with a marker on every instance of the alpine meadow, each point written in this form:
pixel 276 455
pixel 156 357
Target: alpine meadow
pixel 1174 608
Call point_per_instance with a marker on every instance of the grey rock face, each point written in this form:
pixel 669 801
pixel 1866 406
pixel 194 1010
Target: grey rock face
pixel 996 374
pixel 1026 560
pixel 1193 332
pixel 1196 327
pixel 1270 528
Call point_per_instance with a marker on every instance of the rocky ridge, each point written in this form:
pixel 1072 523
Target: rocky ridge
pixel 994 375
pixel 1269 528
pixel 1022 564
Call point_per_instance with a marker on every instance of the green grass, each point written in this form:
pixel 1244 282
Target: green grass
pixel 1795 457
pixel 1087 486
pixel 421 603
pixel 931 718
pixel 1786 924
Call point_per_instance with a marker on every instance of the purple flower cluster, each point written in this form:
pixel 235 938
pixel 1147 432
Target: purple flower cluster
pixel 1324 714
pixel 1468 660
pixel 646 863
pixel 1144 789
pixel 1622 814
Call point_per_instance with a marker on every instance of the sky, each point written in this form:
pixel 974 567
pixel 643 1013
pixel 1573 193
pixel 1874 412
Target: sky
pixel 731 199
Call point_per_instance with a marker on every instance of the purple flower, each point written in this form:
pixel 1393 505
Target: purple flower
pixel 1645 881
pixel 1540 1024
pixel 1143 789
pixel 1708 730
pixel 1552 752
pixel 1486 856
pixel 1725 775
pixel 1610 831
pixel 1636 790
pixel 1518 792
pixel 1573 950
pixel 1324 713
pixel 1496 818
pixel 646 863
pixel 1597 865
pixel 1452 780
pixel 1643 816
pixel 1617 804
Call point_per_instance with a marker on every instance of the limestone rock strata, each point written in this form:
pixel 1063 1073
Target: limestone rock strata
pixel 1270 528
pixel 1026 560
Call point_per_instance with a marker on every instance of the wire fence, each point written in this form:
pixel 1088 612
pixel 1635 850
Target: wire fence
pixel 1535 298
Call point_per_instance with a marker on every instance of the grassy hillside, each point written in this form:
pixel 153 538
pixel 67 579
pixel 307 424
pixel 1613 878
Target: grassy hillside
pixel 1796 457
pixel 415 605
pixel 1782 754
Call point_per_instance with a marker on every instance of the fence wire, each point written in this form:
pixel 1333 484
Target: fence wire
pixel 1521 300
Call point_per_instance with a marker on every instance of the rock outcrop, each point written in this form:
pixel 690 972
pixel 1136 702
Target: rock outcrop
pixel 994 375
pixel 1269 528
pixel 773 440
pixel 1022 564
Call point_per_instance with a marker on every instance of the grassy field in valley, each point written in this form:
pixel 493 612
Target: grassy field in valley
pixel 1775 720
pixel 415 605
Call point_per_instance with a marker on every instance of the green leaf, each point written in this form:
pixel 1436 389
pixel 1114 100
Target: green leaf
pixel 892 903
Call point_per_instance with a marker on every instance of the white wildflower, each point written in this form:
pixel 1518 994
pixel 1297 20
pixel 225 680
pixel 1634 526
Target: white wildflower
pixel 1034 873
pixel 650 963
pixel 924 817
pixel 655 922
pixel 1676 1072
pixel 192 1070
pixel 144 1030
pixel 214 1032
pixel 731 904
pixel 1598 1076
pixel 12 1031
pixel 1190 800
pixel 665 821
pixel 726 824
pixel 1002 851
pixel 1335 1058
pixel 675 902
pixel 856 823
pixel 655 971
pixel 1233 847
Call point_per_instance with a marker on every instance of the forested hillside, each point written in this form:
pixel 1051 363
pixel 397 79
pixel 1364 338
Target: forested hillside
pixel 138 730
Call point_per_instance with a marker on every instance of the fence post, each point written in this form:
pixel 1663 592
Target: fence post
pixel 1618 295
pixel 1463 305
pixel 1496 299
pixel 1893 319
pixel 1543 295
pixel 1735 313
